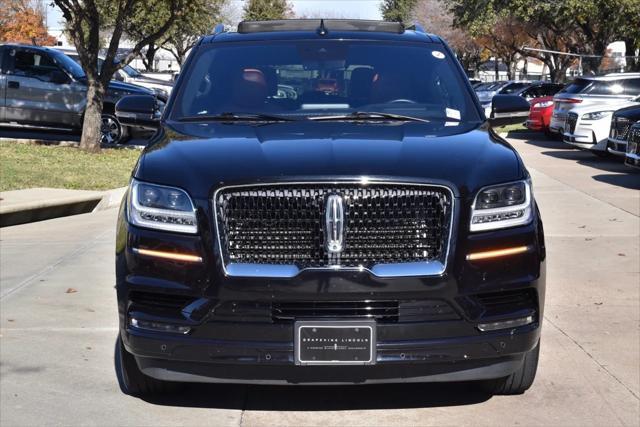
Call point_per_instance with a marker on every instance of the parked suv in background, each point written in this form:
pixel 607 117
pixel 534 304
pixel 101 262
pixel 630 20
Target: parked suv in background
pixel 43 88
pixel 632 157
pixel 588 126
pixel 372 230
pixel 621 122
pixel 128 74
pixel 585 91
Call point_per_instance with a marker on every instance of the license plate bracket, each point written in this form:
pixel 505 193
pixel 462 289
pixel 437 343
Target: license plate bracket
pixel 334 343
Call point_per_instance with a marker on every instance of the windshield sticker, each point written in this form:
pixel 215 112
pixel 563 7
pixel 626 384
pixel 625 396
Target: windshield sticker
pixel 437 54
pixel 452 114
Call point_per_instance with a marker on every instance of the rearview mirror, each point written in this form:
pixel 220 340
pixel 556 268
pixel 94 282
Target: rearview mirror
pixel 508 110
pixel 138 110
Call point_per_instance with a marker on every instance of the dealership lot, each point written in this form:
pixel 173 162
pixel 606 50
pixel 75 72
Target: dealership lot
pixel 58 326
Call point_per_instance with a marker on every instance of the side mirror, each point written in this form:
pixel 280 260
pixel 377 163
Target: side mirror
pixel 119 77
pixel 508 110
pixel 59 77
pixel 139 111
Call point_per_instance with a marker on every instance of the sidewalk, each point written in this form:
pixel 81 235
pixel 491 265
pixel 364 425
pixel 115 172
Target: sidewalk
pixel 37 204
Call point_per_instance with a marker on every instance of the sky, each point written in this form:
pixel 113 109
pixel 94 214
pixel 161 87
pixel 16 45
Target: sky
pixel 361 9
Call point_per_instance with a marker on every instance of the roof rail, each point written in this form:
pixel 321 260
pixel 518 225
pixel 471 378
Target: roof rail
pixel 320 25
pixel 417 28
pixel 219 28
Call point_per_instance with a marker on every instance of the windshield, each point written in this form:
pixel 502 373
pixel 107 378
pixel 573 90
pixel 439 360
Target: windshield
pixel 68 64
pixel 513 87
pixel 131 72
pixel 309 78
pixel 594 87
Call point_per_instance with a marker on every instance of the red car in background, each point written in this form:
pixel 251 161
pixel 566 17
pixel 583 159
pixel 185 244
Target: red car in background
pixel 540 114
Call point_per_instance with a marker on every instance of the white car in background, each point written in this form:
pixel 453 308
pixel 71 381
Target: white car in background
pixel 128 74
pixel 587 127
pixel 610 90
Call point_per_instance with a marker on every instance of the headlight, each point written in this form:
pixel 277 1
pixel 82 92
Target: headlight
pixel 543 104
pixel 596 115
pixel 501 206
pixel 161 207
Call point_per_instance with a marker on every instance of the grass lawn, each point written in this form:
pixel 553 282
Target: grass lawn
pixel 27 166
pixel 512 128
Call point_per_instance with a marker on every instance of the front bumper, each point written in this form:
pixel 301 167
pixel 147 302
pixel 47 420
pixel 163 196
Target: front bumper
pixel 617 147
pixel 234 335
pixel 592 135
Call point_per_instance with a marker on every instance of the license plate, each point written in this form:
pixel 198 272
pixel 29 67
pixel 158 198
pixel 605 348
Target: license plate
pixel 334 343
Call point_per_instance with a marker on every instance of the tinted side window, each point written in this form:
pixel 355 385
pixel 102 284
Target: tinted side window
pixel 632 87
pixel 577 86
pixel 532 92
pixel 549 90
pixel 2 52
pixel 33 64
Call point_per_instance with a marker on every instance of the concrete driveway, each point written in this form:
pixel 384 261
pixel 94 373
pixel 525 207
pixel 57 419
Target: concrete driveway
pixel 58 327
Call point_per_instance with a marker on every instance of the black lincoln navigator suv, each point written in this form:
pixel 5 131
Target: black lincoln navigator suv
pixel 324 202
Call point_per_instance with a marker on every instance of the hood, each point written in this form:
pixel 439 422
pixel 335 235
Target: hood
pixel 592 108
pixel 152 81
pixel 632 112
pixel 201 157
pixel 128 87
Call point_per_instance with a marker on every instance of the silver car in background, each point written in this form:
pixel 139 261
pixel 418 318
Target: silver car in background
pixel 585 91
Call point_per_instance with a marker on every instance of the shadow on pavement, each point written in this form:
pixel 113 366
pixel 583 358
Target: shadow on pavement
pixel 630 181
pixel 324 398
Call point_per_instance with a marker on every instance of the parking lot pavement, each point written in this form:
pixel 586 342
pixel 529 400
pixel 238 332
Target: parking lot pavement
pixel 58 327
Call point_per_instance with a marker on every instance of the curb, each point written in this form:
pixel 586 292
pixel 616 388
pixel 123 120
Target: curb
pixel 40 210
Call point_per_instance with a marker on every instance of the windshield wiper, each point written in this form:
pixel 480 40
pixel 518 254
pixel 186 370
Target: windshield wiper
pixel 369 115
pixel 236 117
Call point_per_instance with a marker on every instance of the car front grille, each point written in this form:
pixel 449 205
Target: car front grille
pixel 572 119
pixel 620 128
pixel 384 311
pixel 285 224
pixel 634 139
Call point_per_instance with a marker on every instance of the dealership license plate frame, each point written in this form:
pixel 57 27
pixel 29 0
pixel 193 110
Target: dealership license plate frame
pixel 301 355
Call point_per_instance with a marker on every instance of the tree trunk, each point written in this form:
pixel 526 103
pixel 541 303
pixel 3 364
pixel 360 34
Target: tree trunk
pixel 496 69
pixel 150 55
pixel 90 140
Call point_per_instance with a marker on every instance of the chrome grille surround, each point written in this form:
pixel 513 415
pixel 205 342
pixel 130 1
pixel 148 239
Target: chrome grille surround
pixel 310 253
pixel 620 128
pixel 634 140
pixel 572 119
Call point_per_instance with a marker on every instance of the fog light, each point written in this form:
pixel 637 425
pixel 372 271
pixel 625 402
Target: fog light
pixel 497 253
pixel 505 324
pixel 159 326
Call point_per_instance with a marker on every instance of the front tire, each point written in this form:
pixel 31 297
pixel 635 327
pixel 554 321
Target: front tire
pixel 111 130
pixel 519 381
pixel 131 379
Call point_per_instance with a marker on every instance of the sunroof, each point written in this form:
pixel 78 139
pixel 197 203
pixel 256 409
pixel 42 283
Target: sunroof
pixel 327 25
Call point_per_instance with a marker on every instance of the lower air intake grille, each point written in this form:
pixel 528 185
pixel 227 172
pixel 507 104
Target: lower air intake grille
pixel 286 224
pixel 572 119
pixel 384 311
pixel 159 301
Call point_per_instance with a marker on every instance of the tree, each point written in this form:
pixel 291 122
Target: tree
pixel 199 17
pixel 575 26
pixel 265 10
pixel 84 21
pixel 146 16
pixel 546 26
pixel 397 10
pixel 22 21
pixel 436 18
